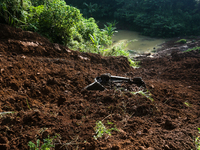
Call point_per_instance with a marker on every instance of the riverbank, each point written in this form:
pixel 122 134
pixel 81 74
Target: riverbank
pixel 172 47
pixel 135 42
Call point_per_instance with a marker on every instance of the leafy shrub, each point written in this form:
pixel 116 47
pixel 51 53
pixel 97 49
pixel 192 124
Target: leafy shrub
pixel 134 64
pixel 57 20
pixel 109 29
pixel 100 129
pixel 11 11
pixel 87 27
pixel 68 27
pixel 158 25
pixel 53 19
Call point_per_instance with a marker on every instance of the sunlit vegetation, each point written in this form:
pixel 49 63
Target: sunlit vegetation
pixel 183 41
pixel 193 49
pixel 55 20
pixel 73 24
pixel 64 24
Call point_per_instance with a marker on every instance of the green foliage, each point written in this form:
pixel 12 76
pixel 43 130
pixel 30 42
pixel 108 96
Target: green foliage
pixel 28 104
pixel 68 27
pixel 118 50
pixel 81 36
pixel 39 2
pixel 159 18
pixel 110 28
pixel 33 18
pixel 100 129
pixel 187 104
pixel 55 20
pixel 163 18
pixel 90 9
pixel 181 41
pixel 115 51
pixel 158 25
pixel 11 11
pixel 48 143
pixel 197 141
pixel 193 49
pixel 134 64
pixel 95 41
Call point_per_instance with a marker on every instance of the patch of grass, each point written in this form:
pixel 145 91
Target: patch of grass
pixel 28 104
pixel 193 49
pixel 146 94
pixel 7 112
pixel 118 50
pixel 134 64
pixel 48 143
pixel 197 141
pixel 154 50
pixel 100 129
pixel 181 41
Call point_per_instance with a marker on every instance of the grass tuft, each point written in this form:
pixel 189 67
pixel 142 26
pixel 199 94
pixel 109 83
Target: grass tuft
pixel 193 49
pixel 197 141
pixel 48 143
pixel 181 41
pixel 28 104
pixel 145 94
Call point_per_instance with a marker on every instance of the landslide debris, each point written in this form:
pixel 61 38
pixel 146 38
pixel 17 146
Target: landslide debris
pixel 41 83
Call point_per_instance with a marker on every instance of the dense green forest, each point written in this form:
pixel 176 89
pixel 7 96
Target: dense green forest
pixel 158 18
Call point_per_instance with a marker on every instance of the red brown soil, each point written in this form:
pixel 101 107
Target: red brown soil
pixel 42 83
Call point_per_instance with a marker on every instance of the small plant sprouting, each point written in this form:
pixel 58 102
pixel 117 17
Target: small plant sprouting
pixel 187 104
pixel 28 104
pixel 100 129
pixel 134 64
pixel 48 143
pixel 197 141
pixel 7 112
pixel 146 94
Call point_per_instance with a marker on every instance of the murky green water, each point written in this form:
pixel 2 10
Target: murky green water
pixel 142 43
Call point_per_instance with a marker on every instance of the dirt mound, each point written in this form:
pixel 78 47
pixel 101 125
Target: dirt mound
pixel 42 85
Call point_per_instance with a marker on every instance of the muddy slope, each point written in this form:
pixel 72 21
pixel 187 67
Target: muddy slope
pixel 42 84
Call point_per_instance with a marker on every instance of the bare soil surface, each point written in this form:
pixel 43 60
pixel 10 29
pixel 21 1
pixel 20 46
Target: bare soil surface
pixel 42 84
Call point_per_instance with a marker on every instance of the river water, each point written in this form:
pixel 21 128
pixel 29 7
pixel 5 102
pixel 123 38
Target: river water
pixel 140 43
